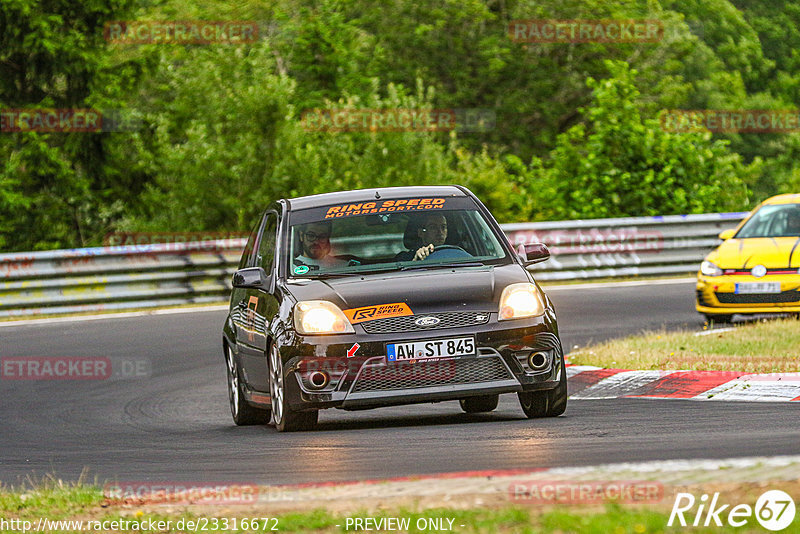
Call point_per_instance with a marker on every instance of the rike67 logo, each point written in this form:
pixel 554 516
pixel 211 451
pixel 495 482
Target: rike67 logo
pixel 774 510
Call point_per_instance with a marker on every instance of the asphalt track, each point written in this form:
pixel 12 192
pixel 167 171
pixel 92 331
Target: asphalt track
pixel 175 426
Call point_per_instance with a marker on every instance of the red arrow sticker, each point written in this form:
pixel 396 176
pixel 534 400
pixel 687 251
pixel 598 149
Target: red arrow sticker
pixel 353 349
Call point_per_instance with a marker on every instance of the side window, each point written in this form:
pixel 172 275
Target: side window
pixel 266 248
pixel 248 248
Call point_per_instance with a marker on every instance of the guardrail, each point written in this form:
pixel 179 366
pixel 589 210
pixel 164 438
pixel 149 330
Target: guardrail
pixel 124 277
pixel 631 246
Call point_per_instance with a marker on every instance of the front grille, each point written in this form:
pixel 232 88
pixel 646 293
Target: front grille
pixel 406 375
pixel 758 298
pixel 780 270
pixel 406 323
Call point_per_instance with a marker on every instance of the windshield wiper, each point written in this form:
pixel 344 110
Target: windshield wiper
pixel 423 265
pixel 340 274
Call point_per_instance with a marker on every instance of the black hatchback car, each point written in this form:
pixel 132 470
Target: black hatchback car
pixel 379 297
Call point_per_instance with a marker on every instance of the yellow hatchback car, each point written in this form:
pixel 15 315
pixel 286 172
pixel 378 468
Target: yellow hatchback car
pixel 757 267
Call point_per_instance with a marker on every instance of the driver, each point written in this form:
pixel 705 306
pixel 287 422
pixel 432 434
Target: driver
pixel 793 222
pixel 315 239
pixel 434 232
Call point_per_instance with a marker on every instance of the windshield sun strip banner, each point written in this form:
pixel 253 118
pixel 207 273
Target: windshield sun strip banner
pixel 409 206
pixel 385 206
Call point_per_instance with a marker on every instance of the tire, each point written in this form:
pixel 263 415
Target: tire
pixel 719 318
pixel 483 403
pixel 243 414
pixel 550 403
pixel 285 418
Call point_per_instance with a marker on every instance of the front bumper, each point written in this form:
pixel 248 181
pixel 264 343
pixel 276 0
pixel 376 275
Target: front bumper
pixel 368 380
pixel 717 295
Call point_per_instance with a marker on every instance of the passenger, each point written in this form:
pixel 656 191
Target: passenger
pixel 315 239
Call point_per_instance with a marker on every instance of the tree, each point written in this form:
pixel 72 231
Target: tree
pixel 623 165
pixel 52 55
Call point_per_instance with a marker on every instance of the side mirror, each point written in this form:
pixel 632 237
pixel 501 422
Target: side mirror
pixel 727 234
pixel 533 253
pixel 252 277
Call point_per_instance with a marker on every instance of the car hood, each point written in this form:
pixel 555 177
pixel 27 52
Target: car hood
pixel 465 288
pixel 771 252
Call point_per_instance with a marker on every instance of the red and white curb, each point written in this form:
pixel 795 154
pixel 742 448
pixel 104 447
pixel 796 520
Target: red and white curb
pixel 588 382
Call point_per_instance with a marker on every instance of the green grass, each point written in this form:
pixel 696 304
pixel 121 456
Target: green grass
pixel 56 500
pixel 765 347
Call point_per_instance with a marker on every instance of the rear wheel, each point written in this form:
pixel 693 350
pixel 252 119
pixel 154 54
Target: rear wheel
pixel 550 403
pixel 243 414
pixel 483 403
pixel 286 419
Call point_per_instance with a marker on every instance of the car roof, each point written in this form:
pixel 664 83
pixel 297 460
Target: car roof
pixel 364 195
pixel 784 199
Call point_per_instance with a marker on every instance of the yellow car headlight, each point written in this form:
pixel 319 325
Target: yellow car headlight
pixel 520 300
pixel 320 317
pixel 709 269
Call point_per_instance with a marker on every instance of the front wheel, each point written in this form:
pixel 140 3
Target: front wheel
pixel 481 404
pixel 286 419
pixel 550 403
pixel 243 414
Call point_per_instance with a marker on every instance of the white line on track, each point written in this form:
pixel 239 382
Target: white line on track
pixel 715 331
pixel 121 315
pixel 633 283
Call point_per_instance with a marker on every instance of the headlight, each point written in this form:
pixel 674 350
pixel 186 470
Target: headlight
pixel 520 300
pixel 320 317
pixel 709 269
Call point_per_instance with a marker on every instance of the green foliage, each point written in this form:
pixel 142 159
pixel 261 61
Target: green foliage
pixel 53 187
pixel 221 134
pixel 623 165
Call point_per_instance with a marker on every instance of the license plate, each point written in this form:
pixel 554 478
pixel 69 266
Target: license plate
pixel 758 287
pixel 434 348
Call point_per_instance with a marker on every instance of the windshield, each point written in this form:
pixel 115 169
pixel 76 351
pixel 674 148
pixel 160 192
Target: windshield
pixel 416 233
pixel 782 220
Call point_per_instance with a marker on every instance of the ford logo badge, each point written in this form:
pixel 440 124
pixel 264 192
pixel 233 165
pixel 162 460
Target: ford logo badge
pixel 427 321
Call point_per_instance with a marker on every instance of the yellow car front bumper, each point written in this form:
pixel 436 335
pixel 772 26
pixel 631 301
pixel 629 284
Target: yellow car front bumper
pixel 717 295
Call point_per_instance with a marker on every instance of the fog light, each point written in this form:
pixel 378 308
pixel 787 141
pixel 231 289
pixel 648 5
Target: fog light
pixel 321 374
pixel 534 361
pixel 538 360
pixel 318 379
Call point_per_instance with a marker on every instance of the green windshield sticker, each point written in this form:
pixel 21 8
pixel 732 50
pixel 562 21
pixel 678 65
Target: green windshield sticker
pixel 301 269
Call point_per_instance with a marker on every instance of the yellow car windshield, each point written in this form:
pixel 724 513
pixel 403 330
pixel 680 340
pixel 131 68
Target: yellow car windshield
pixel 780 220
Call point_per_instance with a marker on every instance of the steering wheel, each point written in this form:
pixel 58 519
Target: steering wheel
pixel 448 252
